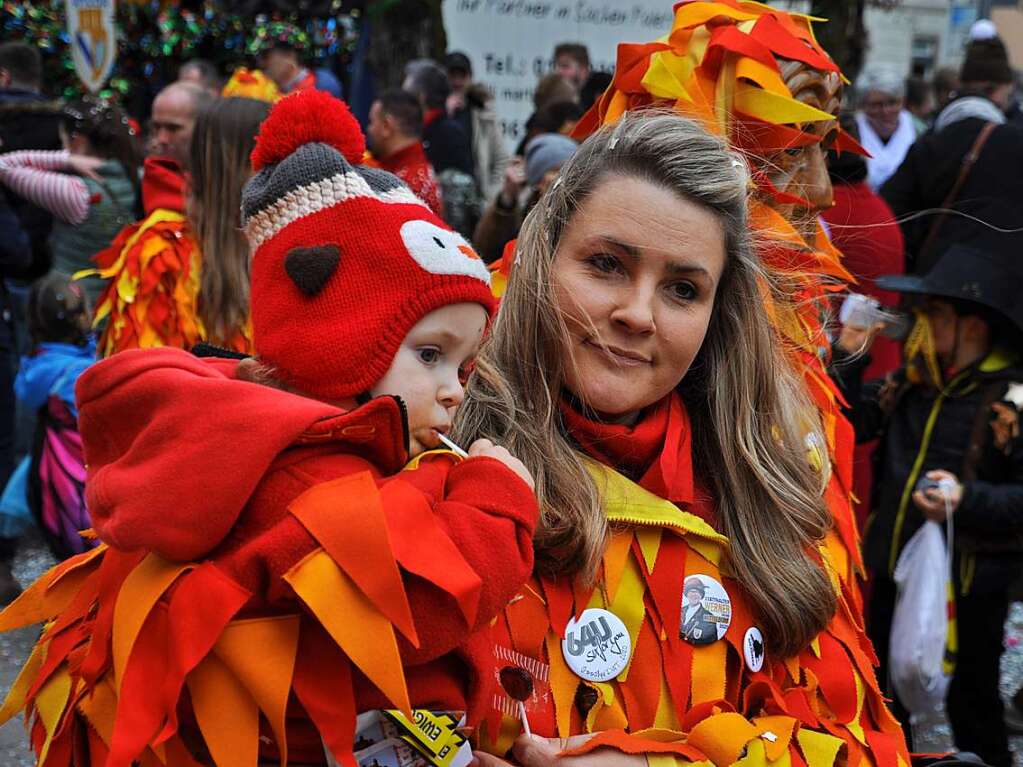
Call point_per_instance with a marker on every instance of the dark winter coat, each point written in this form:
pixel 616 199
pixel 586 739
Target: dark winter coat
pixel 993 191
pixel 28 121
pixel 955 430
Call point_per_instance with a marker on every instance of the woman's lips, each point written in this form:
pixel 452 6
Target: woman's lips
pixel 622 357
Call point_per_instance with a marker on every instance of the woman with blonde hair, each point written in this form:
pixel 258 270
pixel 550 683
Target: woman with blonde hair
pixel 221 144
pixel 634 370
pixel 181 275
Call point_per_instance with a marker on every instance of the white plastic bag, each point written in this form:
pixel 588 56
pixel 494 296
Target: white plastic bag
pixel 920 623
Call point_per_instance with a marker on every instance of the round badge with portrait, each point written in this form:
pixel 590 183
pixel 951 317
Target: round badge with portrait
pixel 597 645
pixel 706 610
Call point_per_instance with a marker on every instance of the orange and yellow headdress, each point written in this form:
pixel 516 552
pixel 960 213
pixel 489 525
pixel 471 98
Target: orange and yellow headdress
pixel 251 84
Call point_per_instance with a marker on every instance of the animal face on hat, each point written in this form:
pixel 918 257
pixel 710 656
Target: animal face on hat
pixel 346 259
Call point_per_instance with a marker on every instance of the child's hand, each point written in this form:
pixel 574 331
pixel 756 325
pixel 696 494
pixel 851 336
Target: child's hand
pixel 484 447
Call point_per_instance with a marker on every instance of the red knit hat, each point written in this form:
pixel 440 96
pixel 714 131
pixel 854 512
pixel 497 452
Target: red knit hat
pixel 346 260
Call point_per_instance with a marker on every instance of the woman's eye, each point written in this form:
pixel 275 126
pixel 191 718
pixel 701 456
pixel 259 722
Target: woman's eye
pixel 604 262
pixel 683 291
pixel 428 355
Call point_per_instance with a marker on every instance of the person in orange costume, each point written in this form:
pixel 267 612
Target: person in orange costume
pixel 756 77
pixel 270 568
pixel 675 447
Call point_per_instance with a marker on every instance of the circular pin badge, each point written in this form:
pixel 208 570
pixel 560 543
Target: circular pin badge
pixel 706 610
pixel 753 649
pixel 597 646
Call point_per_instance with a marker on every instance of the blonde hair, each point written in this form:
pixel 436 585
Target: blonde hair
pixel 750 413
pixel 222 141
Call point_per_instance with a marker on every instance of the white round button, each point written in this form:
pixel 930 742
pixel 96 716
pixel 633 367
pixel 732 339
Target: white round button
pixel 597 646
pixel 753 649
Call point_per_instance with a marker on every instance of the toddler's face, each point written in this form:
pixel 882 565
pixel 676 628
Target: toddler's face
pixel 429 370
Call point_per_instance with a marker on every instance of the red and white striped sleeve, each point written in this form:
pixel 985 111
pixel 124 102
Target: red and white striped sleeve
pixel 37 176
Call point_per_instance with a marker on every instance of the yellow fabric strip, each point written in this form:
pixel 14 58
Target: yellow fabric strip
pixel 756 755
pixel 708 675
pixel 261 654
pixel 630 607
pixel 15 700
pixel 100 708
pixel 615 556
pixel 772 108
pixel 662 760
pixel 649 540
pixel 227 714
pixel 819 749
pixel 51 703
pixel 141 590
pixel 362 631
pixel 563 685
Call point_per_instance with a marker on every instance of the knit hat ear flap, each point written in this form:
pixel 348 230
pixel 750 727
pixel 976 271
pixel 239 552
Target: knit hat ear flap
pixel 304 118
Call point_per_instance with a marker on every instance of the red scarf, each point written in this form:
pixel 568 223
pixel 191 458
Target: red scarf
pixel 657 450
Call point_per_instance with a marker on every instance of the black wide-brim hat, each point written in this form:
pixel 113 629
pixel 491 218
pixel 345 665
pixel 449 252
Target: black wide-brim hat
pixel 991 277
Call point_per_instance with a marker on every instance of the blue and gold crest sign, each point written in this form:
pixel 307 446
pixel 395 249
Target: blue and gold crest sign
pixel 90 25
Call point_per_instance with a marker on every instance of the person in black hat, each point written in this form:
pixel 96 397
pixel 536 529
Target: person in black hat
pixel 971 163
pixel 952 416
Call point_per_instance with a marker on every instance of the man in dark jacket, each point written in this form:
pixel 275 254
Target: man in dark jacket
pixel 979 167
pixel 952 416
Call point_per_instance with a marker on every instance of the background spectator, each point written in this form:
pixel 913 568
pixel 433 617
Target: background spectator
pixel 944 86
pixel 89 209
pixel 572 63
pixel 224 138
pixel 393 133
pixel 919 103
pixel 594 88
pixel 887 130
pixel 524 184
pixel 446 145
pixel 282 64
pixel 551 90
pixel 202 73
pixel 938 172
pixel 470 106
pixel 170 126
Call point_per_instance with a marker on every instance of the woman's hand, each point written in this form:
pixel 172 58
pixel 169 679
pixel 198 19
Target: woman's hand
pixel 83 165
pixel 484 447
pixel 932 502
pixel 534 751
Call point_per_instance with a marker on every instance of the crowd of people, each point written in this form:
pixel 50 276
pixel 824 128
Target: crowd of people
pixel 246 341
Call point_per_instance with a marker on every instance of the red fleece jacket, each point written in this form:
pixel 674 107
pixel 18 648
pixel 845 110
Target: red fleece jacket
pixel 188 462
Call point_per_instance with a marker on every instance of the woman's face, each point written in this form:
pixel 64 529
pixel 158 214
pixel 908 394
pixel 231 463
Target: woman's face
pixel 635 277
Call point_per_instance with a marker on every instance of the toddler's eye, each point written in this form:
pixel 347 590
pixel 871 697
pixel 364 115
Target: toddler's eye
pixel 428 355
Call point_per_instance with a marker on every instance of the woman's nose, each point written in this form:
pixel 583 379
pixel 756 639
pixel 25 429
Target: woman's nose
pixel 635 312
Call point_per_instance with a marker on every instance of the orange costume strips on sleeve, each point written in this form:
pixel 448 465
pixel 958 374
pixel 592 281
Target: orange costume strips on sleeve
pixel 675 701
pixel 153 270
pixel 266 579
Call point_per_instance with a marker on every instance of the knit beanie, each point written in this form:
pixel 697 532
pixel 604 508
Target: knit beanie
pixel 548 151
pixel 986 61
pixel 346 259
